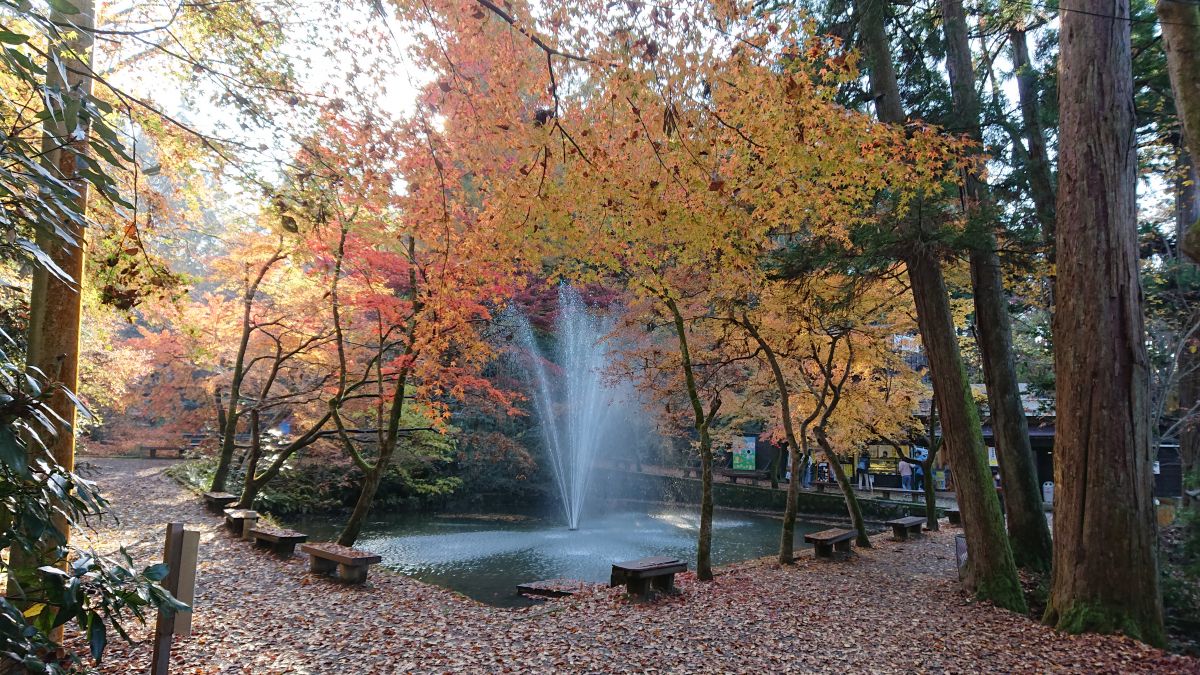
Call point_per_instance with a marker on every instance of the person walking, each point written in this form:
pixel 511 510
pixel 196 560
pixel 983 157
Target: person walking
pixel 905 474
pixel 918 477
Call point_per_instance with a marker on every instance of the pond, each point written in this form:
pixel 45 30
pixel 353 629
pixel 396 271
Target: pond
pixel 484 556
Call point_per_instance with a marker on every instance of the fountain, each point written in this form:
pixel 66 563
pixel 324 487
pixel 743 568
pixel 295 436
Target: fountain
pixel 574 404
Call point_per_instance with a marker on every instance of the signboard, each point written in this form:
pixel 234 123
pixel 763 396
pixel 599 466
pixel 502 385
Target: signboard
pixel 992 457
pixel 939 479
pixel 743 455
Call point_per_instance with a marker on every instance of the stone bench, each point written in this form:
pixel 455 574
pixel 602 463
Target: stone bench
pixel 218 501
pixel 639 575
pixel 826 541
pixel 241 521
pixel 350 564
pixel 886 492
pixel 152 451
pixel 902 527
pixel 281 542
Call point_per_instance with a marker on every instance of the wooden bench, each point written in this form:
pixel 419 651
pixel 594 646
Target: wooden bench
pixel 639 575
pixel 826 541
pixel 217 501
pixel 734 474
pixel 241 521
pixel 350 564
pixel 902 527
pixel 152 451
pixel 281 542
pixel 954 516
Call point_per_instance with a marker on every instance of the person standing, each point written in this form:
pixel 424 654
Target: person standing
pixel 905 474
pixel 862 470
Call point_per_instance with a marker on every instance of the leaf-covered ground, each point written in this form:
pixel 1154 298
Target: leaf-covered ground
pixel 893 608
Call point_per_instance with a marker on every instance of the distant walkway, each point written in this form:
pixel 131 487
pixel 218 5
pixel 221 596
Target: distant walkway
pixel 944 499
pixel 890 609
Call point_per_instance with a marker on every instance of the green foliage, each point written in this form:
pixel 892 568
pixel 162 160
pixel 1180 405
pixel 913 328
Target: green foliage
pixel 66 584
pixel 39 113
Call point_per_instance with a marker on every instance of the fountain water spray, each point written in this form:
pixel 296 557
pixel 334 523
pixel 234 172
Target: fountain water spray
pixel 574 404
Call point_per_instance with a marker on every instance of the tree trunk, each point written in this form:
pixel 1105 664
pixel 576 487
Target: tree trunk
pixel 787 534
pixel 1105 536
pixel 931 515
pixel 1029 535
pixel 1187 211
pixel 852 507
pixel 56 305
pixel 1180 24
pixel 230 423
pixel 702 420
pixel 1041 180
pixel 991 570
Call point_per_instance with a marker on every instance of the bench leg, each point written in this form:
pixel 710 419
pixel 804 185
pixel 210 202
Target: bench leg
pixel 638 587
pixel 823 550
pixel 262 543
pixel 284 549
pixel 915 531
pixel 900 532
pixel 352 574
pixel 842 546
pixel 321 565
pixel 664 584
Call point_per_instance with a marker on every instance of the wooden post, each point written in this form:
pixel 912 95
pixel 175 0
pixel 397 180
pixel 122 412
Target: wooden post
pixel 165 627
pixel 186 592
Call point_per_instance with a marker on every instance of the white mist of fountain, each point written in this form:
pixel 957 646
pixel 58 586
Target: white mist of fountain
pixel 574 404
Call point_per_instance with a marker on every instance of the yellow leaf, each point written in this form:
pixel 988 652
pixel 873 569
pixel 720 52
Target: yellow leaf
pixel 34 610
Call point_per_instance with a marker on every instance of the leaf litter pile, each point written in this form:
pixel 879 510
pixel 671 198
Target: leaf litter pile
pixel 893 608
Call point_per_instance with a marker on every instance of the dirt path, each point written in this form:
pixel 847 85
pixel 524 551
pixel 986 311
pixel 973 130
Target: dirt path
pixel 894 608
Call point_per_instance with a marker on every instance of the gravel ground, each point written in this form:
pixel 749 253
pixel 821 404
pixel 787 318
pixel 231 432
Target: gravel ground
pixel 893 608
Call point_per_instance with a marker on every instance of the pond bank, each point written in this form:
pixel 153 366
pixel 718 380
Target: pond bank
pixel 258 614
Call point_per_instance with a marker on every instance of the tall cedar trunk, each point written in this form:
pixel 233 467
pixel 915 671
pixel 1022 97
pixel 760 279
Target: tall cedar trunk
pixel 1105 536
pixel 852 507
pixel 1180 24
pixel 1028 532
pixel 704 544
pixel 1187 211
pixel 991 570
pixel 55 305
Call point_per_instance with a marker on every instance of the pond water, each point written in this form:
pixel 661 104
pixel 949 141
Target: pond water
pixel 486 556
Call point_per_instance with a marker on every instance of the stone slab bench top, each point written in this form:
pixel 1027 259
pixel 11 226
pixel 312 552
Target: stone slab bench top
pixel 239 514
pixel 907 521
pixel 651 564
pixel 342 554
pixel 218 496
pixel 277 534
pixel 833 535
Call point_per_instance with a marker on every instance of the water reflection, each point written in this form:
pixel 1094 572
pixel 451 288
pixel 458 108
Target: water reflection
pixel 486 560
